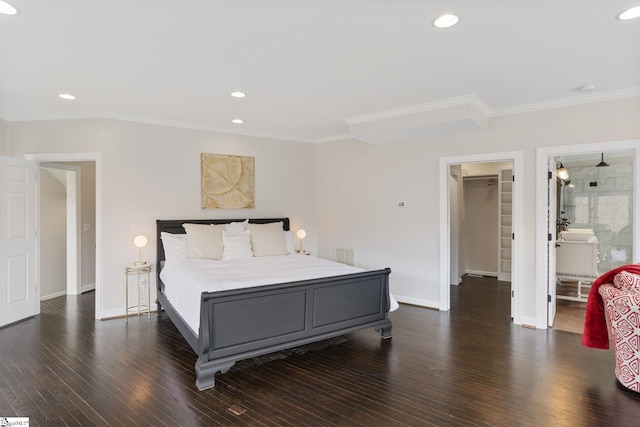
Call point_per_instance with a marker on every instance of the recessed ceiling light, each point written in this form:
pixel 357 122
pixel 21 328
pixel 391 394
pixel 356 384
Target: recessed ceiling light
pixel 237 121
pixel 7 9
pixel 632 13
pixel 66 96
pixel 446 21
pixel 238 94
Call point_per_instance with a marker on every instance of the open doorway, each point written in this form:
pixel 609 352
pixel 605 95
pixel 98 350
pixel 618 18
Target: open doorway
pixel 67 228
pixel 582 206
pixel 449 168
pixel 481 209
pixel 95 244
pixel 485 219
pixel 594 227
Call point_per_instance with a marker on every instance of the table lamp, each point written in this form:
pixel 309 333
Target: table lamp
pixel 140 241
pixel 301 234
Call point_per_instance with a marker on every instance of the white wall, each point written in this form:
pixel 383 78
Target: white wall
pixel 53 236
pixel 152 172
pixel 358 185
pixel 4 138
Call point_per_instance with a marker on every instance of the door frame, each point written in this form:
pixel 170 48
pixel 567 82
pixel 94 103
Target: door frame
pixel 83 157
pixel 542 247
pixel 517 159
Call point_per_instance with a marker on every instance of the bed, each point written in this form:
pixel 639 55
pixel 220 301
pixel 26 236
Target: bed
pixel 241 323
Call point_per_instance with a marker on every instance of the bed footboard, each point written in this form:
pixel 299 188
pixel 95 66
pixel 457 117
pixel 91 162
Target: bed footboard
pixel 245 323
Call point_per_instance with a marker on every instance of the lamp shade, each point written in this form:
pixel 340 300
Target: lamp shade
pixel 301 234
pixel 563 173
pixel 140 241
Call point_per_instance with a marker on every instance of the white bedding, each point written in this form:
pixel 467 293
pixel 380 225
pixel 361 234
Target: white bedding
pixel 186 279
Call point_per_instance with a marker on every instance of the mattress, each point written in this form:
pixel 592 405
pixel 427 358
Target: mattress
pixel 185 280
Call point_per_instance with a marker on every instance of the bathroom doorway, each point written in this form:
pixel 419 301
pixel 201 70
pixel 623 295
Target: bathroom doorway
pixel 599 201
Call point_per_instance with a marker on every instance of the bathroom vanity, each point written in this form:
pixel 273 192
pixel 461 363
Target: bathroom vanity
pixel 577 260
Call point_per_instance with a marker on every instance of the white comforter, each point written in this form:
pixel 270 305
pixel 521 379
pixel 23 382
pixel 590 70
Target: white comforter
pixel 186 279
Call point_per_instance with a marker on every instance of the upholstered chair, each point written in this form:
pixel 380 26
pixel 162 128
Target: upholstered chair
pixel 622 307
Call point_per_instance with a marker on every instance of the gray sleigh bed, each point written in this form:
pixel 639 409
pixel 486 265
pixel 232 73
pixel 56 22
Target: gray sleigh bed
pixel 243 323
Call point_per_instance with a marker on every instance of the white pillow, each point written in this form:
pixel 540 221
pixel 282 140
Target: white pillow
pixel 205 240
pixel 288 241
pixel 175 246
pixel 236 227
pixel 236 246
pixel 267 239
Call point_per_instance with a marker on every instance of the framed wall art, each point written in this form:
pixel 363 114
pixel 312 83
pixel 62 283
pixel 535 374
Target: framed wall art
pixel 227 181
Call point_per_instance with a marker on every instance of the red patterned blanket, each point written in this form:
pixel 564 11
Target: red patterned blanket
pixel 595 324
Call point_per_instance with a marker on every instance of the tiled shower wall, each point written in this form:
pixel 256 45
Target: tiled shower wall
pixel 602 199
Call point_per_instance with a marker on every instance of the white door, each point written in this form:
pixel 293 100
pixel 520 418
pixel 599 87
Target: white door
pixel 18 282
pixel 551 237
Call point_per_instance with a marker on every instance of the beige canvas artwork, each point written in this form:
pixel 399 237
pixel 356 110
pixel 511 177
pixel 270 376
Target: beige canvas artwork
pixel 227 181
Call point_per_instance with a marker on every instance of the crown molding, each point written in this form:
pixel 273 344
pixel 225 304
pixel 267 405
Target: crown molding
pixel 567 102
pixel 471 99
pixel 421 108
pixel 169 123
pixel 208 128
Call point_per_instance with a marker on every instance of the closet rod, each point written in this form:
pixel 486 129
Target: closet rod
pixel 480 177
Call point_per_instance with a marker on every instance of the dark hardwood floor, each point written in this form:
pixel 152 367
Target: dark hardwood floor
pixel 466 367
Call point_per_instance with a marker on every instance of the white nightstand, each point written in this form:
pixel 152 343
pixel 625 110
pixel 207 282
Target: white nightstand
pixel 142 272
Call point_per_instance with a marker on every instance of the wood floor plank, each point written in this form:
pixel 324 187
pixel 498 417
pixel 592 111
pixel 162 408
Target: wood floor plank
pixel 468 366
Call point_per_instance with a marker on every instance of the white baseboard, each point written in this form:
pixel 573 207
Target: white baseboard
pixel 87 288
pixel 119 313
pixel 482 273
pixel 53 295
pixel 529 322
pixel 417 301
pixel 111 314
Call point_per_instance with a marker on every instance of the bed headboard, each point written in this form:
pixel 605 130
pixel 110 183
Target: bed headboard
pixel 174 226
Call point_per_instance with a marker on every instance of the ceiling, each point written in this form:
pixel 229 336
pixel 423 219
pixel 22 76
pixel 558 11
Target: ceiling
pixel 312 70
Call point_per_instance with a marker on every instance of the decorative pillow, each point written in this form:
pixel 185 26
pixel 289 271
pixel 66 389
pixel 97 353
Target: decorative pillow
pixel 175 246
pixel 627 281
pixel 236 227
pixel 267 239
pixel 288 241
pixel 236 246
pixel 205 240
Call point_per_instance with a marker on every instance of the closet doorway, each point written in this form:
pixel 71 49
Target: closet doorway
pixel 488 203
pixel 485 220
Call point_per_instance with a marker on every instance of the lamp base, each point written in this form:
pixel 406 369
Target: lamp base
pixel 301 251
